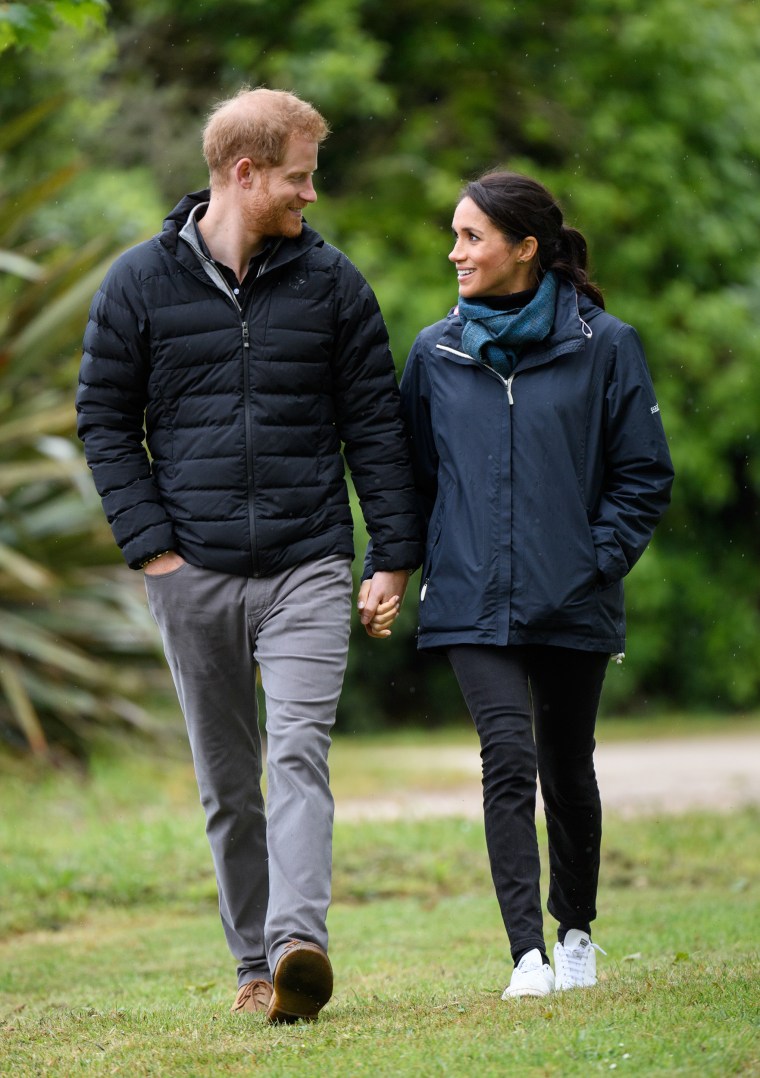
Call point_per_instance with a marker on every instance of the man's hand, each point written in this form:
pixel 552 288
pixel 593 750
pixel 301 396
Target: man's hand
pixel 380 600
pixel 165 564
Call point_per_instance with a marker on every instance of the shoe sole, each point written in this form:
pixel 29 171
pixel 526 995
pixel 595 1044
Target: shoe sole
pixel 303 983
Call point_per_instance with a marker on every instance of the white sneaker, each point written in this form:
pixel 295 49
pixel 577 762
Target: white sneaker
pixel 575 961
pixel 530 977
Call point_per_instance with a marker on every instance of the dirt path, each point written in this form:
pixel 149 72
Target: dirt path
pixel 645 777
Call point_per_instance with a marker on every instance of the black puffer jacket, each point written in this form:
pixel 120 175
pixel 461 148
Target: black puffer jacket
pixel 245 411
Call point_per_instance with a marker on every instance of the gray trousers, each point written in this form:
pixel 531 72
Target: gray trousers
pixel 273 868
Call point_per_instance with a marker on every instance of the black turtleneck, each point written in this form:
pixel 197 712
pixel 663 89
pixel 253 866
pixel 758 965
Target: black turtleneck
pixel 515 301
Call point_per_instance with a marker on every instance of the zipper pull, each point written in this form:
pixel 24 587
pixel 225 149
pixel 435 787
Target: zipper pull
pixel 508 384
pixel 246 340
pixel 423 590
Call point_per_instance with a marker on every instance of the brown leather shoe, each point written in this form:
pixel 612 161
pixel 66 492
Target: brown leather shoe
pixel 303 983
pixel 252 997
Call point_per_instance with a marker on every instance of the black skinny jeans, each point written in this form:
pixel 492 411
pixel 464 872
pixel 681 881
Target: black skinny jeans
pixel 535 708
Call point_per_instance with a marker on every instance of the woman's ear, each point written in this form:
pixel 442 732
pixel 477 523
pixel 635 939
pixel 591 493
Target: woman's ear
pixel 527 249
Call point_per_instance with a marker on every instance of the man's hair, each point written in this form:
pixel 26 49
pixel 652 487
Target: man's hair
pixel 257 124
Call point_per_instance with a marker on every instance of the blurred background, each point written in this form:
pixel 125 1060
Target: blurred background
pixel 643 119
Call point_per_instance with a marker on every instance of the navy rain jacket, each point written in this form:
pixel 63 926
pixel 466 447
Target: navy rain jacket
pixel 246 412
pixel 540 491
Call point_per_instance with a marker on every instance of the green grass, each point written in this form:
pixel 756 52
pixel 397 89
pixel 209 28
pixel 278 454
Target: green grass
pixel 112 959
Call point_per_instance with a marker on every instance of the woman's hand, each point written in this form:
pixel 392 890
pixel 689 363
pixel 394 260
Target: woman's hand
pixel 379 602
pixel 386 614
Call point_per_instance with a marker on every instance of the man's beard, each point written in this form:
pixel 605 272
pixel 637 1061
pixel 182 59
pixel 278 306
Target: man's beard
pixel 268 218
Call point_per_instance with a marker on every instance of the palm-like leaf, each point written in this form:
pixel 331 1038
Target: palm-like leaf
pixel 72 626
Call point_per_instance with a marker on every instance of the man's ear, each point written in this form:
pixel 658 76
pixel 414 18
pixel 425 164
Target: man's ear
pixel 244 172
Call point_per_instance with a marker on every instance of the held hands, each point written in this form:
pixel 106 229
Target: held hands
pixel 380 600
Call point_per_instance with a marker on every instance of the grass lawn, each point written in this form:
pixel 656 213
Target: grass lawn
pixel 113 962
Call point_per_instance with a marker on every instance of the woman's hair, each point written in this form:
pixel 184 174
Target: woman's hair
pixel 520 207
pixel 257 124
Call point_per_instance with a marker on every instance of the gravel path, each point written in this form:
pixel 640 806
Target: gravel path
pixel 636 778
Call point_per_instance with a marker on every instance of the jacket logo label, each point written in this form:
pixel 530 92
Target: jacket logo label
pixel 654 408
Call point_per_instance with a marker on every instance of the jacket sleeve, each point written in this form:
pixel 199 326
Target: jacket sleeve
pixel 415 409
pixel 370 425
pixel 638 470
pixel 110 402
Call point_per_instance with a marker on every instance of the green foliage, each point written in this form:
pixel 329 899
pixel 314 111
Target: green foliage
pixel 645 124
pixel 644 120
pixel 66 627
pixel 33 23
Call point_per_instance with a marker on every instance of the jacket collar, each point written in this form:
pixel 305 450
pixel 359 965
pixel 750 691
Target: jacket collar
pixel 179 239
pixel 569 332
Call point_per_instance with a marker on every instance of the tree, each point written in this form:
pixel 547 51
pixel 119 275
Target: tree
pixel 33 23
pixel 642 119
pixel 69 626
pixel 645 123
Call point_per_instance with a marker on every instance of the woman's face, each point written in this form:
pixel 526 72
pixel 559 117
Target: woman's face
pixel 486 262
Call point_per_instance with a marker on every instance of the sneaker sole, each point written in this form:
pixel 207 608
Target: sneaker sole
pixel 303 983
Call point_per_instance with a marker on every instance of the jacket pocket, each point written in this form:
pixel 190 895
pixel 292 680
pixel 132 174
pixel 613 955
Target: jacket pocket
pixel 555 583
pixel 610 558
pixel 435 531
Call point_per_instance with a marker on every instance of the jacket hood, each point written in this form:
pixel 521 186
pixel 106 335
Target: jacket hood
pixel 175 221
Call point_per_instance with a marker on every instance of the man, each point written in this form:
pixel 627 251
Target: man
pixel 246 350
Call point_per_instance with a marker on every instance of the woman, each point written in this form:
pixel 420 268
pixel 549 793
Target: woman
pixel 543 468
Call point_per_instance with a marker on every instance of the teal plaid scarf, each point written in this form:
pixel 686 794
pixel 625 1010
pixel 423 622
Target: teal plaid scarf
pixel 497 337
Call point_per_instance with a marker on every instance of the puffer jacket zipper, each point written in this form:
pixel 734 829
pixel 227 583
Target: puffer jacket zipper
pixel 249 440
pixel 219 281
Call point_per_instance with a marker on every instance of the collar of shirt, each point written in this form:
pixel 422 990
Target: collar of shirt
pixel 239 288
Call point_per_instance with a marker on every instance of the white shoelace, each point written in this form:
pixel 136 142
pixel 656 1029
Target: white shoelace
pixel 574 963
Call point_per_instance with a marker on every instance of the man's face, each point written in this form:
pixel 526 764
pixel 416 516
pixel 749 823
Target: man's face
pixel 279 194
